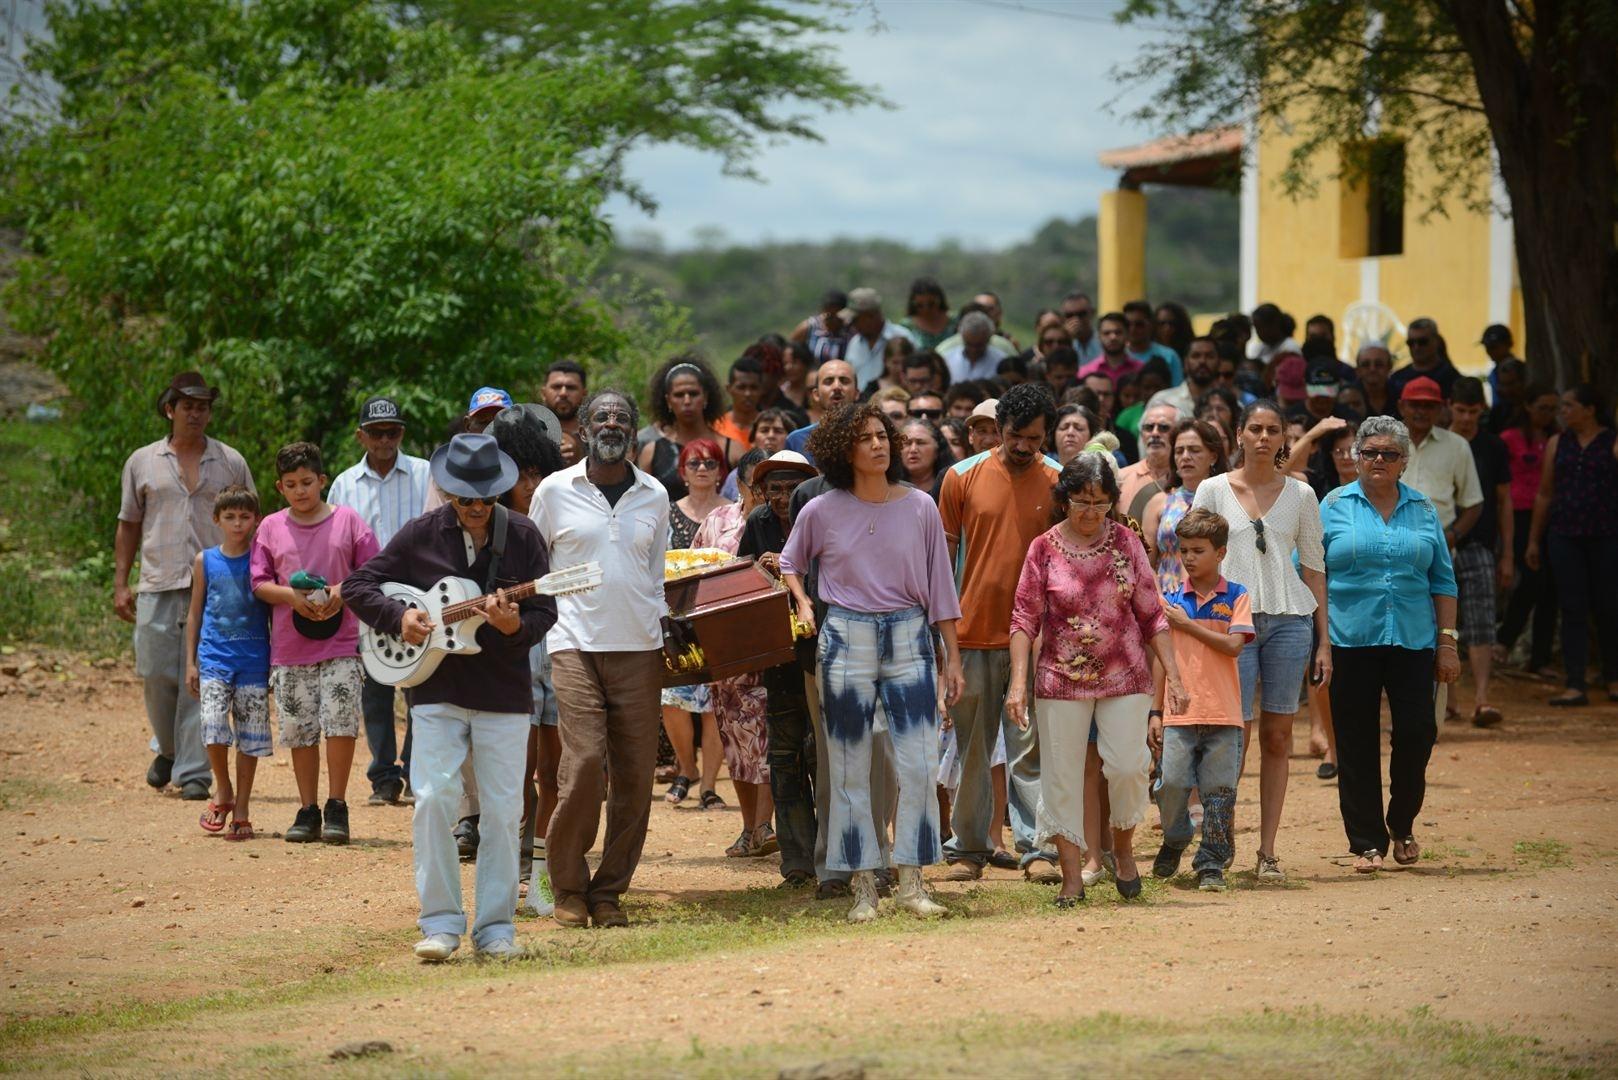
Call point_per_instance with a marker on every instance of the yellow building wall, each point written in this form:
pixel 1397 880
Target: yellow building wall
pixel 1443 272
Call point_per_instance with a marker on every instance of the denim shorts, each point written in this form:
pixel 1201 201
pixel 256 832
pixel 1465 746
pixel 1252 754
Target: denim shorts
pixel 1277 658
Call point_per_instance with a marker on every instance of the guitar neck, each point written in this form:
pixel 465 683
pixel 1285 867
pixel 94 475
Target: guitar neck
pixel 454 613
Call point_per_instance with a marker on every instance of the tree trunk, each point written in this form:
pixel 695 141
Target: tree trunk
pixel 1553 113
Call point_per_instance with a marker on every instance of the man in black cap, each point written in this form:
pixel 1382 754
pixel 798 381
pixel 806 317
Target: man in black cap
pixel 479 701
pixel 166 514
pixel 387 488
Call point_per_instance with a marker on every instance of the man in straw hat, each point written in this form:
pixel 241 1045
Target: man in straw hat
pixel 166 515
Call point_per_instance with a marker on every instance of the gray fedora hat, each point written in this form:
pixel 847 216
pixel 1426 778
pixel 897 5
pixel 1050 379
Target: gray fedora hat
pixel 474 467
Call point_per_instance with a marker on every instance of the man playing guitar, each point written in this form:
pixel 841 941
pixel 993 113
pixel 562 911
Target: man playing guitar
pixel 479 700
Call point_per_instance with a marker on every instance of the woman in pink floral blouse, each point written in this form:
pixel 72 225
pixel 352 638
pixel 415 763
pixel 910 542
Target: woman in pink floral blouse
pixel 1088 593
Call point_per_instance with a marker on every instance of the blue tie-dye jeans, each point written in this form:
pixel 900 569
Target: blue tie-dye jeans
pixel 865 658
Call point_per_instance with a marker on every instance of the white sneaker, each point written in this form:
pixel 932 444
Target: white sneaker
pixel 436 948
pixel 541 901
pixel 863 885
pixel 912 895
pixel 500 950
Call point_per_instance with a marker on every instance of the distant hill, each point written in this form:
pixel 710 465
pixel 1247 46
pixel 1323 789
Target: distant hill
pixel 735 293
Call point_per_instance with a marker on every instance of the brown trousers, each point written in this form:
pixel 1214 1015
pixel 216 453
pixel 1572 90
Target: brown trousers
pixel 610 709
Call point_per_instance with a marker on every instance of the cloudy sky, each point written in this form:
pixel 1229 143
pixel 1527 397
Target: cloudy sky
pixel 1000 109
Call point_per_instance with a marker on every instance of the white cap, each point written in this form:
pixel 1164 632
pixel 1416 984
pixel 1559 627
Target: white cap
pixel 782 459
pixel 985 411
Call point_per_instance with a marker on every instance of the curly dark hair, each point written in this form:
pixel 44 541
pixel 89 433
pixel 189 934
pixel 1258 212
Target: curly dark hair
pixel 688 364
pixel 1211 439
pixel 831 444
pixel 1023 404
pixel 524 441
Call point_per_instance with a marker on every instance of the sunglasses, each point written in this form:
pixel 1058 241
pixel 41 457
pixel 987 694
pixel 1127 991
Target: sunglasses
pixel 389 431
pixel 1419 342
pixel 926 414
pixel 462 500
pixel 1381 455
pixel 1157 427
pixel 1258 536
pixel 1085 314
pixel 703 464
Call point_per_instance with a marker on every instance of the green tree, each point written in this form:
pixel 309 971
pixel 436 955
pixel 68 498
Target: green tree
pixel 1533 86
pixel 312 200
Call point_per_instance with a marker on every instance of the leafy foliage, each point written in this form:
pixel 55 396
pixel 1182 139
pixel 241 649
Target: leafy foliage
pixel 736 293
pixel 316 200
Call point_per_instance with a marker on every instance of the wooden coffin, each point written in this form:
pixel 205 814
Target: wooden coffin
pixel 736 613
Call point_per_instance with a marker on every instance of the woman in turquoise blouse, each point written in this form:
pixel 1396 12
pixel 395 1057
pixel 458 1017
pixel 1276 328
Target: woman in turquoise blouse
pixel 1390 591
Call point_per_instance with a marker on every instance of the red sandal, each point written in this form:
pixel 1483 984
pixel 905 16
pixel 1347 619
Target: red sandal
pixel 240 830
pixel 213 818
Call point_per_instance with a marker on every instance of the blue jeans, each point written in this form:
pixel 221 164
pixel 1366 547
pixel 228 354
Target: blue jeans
pixel 865 658
pixel 1207 757
pixel 979 716
pixel 444 735
pixel 376 705
pixel 1276 659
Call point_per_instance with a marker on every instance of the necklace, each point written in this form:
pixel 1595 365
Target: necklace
pixel 870 530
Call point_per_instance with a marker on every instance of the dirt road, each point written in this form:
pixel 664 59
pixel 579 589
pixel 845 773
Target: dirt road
pixel 129 931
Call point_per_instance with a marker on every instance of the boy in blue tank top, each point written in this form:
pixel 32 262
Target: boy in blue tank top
pixel 228 661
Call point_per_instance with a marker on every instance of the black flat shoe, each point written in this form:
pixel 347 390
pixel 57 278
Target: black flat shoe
pixel 1129 889
pixel 160 771
pixel 1572 702
pixel 1326 771
pixel 1004 860
pixel 1065 903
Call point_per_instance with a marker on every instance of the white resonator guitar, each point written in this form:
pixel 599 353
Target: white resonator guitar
pixel 456 610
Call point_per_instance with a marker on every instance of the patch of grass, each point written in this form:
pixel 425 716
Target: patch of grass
pixel 1541 854
pixel 55 564
pixel 21 792
pixel 1447 853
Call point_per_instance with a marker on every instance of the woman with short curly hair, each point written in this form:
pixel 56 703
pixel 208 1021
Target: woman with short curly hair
pixel 885 575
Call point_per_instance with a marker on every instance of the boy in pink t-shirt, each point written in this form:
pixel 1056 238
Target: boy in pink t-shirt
pixel 1210 620
pixel 315 671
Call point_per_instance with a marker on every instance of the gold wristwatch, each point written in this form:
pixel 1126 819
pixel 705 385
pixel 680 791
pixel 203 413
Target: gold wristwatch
pixel 1451 633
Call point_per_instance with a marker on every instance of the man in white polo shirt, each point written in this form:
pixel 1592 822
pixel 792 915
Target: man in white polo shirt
pixel 606 658
pixel 386 488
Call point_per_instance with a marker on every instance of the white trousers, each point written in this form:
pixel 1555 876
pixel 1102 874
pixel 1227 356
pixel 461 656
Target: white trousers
pixel 1126 762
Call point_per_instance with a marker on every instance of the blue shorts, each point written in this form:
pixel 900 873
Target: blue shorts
pixel 539 666
pixel 1277 658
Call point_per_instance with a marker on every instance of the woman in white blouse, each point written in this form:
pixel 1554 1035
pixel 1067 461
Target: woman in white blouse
pixel 1271 516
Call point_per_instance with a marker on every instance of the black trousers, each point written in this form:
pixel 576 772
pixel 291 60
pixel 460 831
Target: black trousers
pixel 792 767
pixel 1359 679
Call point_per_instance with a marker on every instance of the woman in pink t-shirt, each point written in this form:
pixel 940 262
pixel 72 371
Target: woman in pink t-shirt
pixel 1089 596
pixel 1535 592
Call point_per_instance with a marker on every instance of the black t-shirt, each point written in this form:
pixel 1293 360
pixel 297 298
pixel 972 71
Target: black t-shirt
pixel 1493 460
pixel 1444 374
pixel 614 492
pixel 761 533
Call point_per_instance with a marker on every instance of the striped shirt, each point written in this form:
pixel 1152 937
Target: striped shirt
pixel 384 503
pixel 175 522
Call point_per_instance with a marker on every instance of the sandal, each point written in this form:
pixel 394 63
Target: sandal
pixel 764 840
pixel 712 801
pixel 1406 852
pixel 1486 716
pixel 1369 862
pixel 678 790
pixel 1002 859
pixel 742 848
pixel 240 830
pixel 213 818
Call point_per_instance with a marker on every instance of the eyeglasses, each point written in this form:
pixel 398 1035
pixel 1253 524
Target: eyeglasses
pixel 612 416
pixel 1091 507
pixel 1258 536
pixel 462 500
pixel 927 414
pixel 1157 427
pixel 702 464
pixel 779 488
pixel 1418 342
pixel 387 431
pixel 1381 455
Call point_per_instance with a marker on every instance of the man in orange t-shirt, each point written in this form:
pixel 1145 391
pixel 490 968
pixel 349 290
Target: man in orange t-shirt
pixel 994 504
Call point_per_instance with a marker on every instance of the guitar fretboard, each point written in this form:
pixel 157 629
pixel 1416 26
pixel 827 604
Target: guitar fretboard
pixel 467 608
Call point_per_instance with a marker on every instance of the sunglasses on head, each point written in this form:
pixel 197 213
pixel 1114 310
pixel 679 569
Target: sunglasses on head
pixel 464 500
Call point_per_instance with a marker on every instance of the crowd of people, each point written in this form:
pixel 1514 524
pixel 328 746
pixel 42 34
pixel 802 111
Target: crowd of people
pixel 1037 589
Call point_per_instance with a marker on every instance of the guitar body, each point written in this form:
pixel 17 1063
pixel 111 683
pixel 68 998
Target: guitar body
pixel 391 661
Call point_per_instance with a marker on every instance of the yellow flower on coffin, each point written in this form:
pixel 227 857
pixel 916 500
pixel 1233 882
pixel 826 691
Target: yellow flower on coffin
pixel 683 561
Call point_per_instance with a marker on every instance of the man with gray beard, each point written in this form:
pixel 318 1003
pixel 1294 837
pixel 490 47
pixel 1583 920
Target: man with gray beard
pixel 606 658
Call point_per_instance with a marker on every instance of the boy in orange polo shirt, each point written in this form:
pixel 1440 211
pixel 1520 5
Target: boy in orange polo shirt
pixel 1210 620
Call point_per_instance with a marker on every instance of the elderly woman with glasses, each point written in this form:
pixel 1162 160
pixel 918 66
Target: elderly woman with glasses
pixel 1087 593
pixel 1391 589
